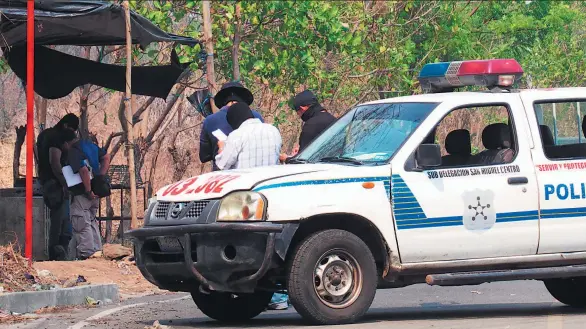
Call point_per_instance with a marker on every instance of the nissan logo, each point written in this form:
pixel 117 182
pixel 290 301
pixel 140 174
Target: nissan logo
pixel 177 208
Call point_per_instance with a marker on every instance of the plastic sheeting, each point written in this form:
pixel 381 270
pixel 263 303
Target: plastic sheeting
pixel 81 23
pixel 57 74
pixel 84 23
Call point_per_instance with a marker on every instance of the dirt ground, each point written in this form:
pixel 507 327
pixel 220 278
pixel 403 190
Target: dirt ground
pixel 123 273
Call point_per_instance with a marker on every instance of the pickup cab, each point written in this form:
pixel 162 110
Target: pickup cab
pixel 441 188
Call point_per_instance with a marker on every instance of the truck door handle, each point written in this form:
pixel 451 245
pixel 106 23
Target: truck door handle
pixel 517 180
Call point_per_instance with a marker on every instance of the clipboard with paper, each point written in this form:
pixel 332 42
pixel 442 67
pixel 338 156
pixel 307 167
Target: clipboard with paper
pixel 72 178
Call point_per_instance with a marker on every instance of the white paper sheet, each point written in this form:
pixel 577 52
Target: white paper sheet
pixel 71 178
pixel 220 135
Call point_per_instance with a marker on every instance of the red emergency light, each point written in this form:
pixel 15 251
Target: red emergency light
pixel 446 76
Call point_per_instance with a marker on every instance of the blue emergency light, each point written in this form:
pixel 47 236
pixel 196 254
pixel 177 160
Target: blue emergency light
pixel 446 76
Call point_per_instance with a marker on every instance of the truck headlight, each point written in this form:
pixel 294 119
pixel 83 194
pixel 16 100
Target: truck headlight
pixel 242 206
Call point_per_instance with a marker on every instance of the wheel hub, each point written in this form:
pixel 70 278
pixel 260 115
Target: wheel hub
pixel 338 279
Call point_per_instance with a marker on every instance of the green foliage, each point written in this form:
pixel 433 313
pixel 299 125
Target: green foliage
pixel 342 48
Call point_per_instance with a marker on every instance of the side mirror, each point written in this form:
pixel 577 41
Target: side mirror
pixel 428 156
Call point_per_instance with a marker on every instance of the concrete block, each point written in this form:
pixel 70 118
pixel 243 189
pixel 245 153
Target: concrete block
pixel 12 213
pixel 30 301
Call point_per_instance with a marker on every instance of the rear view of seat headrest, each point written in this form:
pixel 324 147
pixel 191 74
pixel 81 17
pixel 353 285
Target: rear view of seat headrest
pixel 458 142
pixel 546 135
pixel 496 136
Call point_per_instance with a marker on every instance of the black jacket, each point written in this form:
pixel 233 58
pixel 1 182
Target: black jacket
pixel 316 120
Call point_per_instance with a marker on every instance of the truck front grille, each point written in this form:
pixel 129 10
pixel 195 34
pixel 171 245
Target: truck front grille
pixel 165 210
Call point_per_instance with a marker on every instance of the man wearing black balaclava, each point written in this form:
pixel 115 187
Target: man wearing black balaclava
pixel 252 143
pixel 315 118
pixel 231 93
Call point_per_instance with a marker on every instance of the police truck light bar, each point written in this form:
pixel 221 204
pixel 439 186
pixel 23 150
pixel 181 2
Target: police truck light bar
pixel 446 76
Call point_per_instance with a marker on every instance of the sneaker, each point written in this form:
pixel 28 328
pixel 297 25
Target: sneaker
pixel 279 302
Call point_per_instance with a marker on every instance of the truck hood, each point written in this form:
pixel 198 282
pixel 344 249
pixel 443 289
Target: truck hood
pixel 219 183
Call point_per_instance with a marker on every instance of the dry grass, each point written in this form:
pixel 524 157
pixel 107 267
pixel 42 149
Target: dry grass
pixel 16 273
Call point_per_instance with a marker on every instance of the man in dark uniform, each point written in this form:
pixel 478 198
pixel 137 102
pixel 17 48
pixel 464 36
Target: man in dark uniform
pixel 315 119
pixel 55 193
pixel 231 93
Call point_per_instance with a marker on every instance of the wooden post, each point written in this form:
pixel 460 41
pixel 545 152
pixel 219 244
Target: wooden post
pixel 129 125
pixel 207 36
pixel 236 43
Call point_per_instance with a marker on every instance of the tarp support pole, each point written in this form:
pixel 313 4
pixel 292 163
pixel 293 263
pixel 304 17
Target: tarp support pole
pixel 129 124
pixel 30 124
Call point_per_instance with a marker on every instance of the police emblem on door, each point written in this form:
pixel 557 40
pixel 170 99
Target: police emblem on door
pixel 479 210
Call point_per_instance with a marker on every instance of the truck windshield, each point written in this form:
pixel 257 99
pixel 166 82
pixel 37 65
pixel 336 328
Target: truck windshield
pixel 367 134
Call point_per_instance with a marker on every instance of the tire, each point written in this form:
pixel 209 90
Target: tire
pixel 226 307
pixel 318 267
pixel 571 292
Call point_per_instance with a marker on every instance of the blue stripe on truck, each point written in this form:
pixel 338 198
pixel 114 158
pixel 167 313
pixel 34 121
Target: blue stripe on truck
pixel 409 214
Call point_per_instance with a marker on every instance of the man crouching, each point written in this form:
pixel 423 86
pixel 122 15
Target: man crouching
pixel 91 163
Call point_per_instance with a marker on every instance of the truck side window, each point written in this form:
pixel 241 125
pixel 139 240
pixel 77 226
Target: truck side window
pixel 476 136
pixel 562 127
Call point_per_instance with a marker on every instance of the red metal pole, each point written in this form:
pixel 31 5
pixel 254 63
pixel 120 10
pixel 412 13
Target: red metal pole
pixel 30 99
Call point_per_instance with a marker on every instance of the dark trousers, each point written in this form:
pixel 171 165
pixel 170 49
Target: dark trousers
pixel 60 231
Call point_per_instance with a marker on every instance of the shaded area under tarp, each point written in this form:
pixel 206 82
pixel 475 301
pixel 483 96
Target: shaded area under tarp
pixel 80 23
pixel 57 74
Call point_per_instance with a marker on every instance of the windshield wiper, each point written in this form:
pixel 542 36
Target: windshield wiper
pixel 295 161
pixel 341 159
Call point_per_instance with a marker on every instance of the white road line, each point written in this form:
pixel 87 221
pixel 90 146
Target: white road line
pixel 105 313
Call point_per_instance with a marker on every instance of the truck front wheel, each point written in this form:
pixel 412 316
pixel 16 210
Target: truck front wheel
pixel 332 277
pixel 226 307
pixel 571 292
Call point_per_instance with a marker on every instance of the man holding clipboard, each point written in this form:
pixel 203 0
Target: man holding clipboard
pixel 86 176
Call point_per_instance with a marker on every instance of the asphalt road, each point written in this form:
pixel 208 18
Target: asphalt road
pixel 510 305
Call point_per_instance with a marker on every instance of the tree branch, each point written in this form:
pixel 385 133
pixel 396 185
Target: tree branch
pixel 136 117
pixel 114 49
pixel 163 115
pixel 109 140
pixel 475 9
pixel 236 43
pixel 369 73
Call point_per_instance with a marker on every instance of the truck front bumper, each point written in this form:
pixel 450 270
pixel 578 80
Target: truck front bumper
pixel 229 257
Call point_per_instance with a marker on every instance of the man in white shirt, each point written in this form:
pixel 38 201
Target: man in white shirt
pixel 251 144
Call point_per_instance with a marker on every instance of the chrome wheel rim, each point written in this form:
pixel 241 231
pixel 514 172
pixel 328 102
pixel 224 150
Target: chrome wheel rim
pixel 337 279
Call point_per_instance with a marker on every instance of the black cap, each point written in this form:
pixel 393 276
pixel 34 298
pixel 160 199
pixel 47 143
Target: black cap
pixel 305 97
pixel 233 91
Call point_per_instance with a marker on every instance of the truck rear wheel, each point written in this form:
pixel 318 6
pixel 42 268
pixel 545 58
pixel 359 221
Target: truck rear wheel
pixel 571 292
pixel 226 307
pixel 332 278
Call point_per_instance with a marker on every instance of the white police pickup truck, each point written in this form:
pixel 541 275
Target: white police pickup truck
pixel 443 188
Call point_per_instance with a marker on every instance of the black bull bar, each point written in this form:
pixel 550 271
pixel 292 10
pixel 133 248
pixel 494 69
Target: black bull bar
pixel 185 231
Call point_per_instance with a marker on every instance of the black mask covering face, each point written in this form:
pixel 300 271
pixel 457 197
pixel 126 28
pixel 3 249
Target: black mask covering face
pixel 237 114
pixel 307 98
